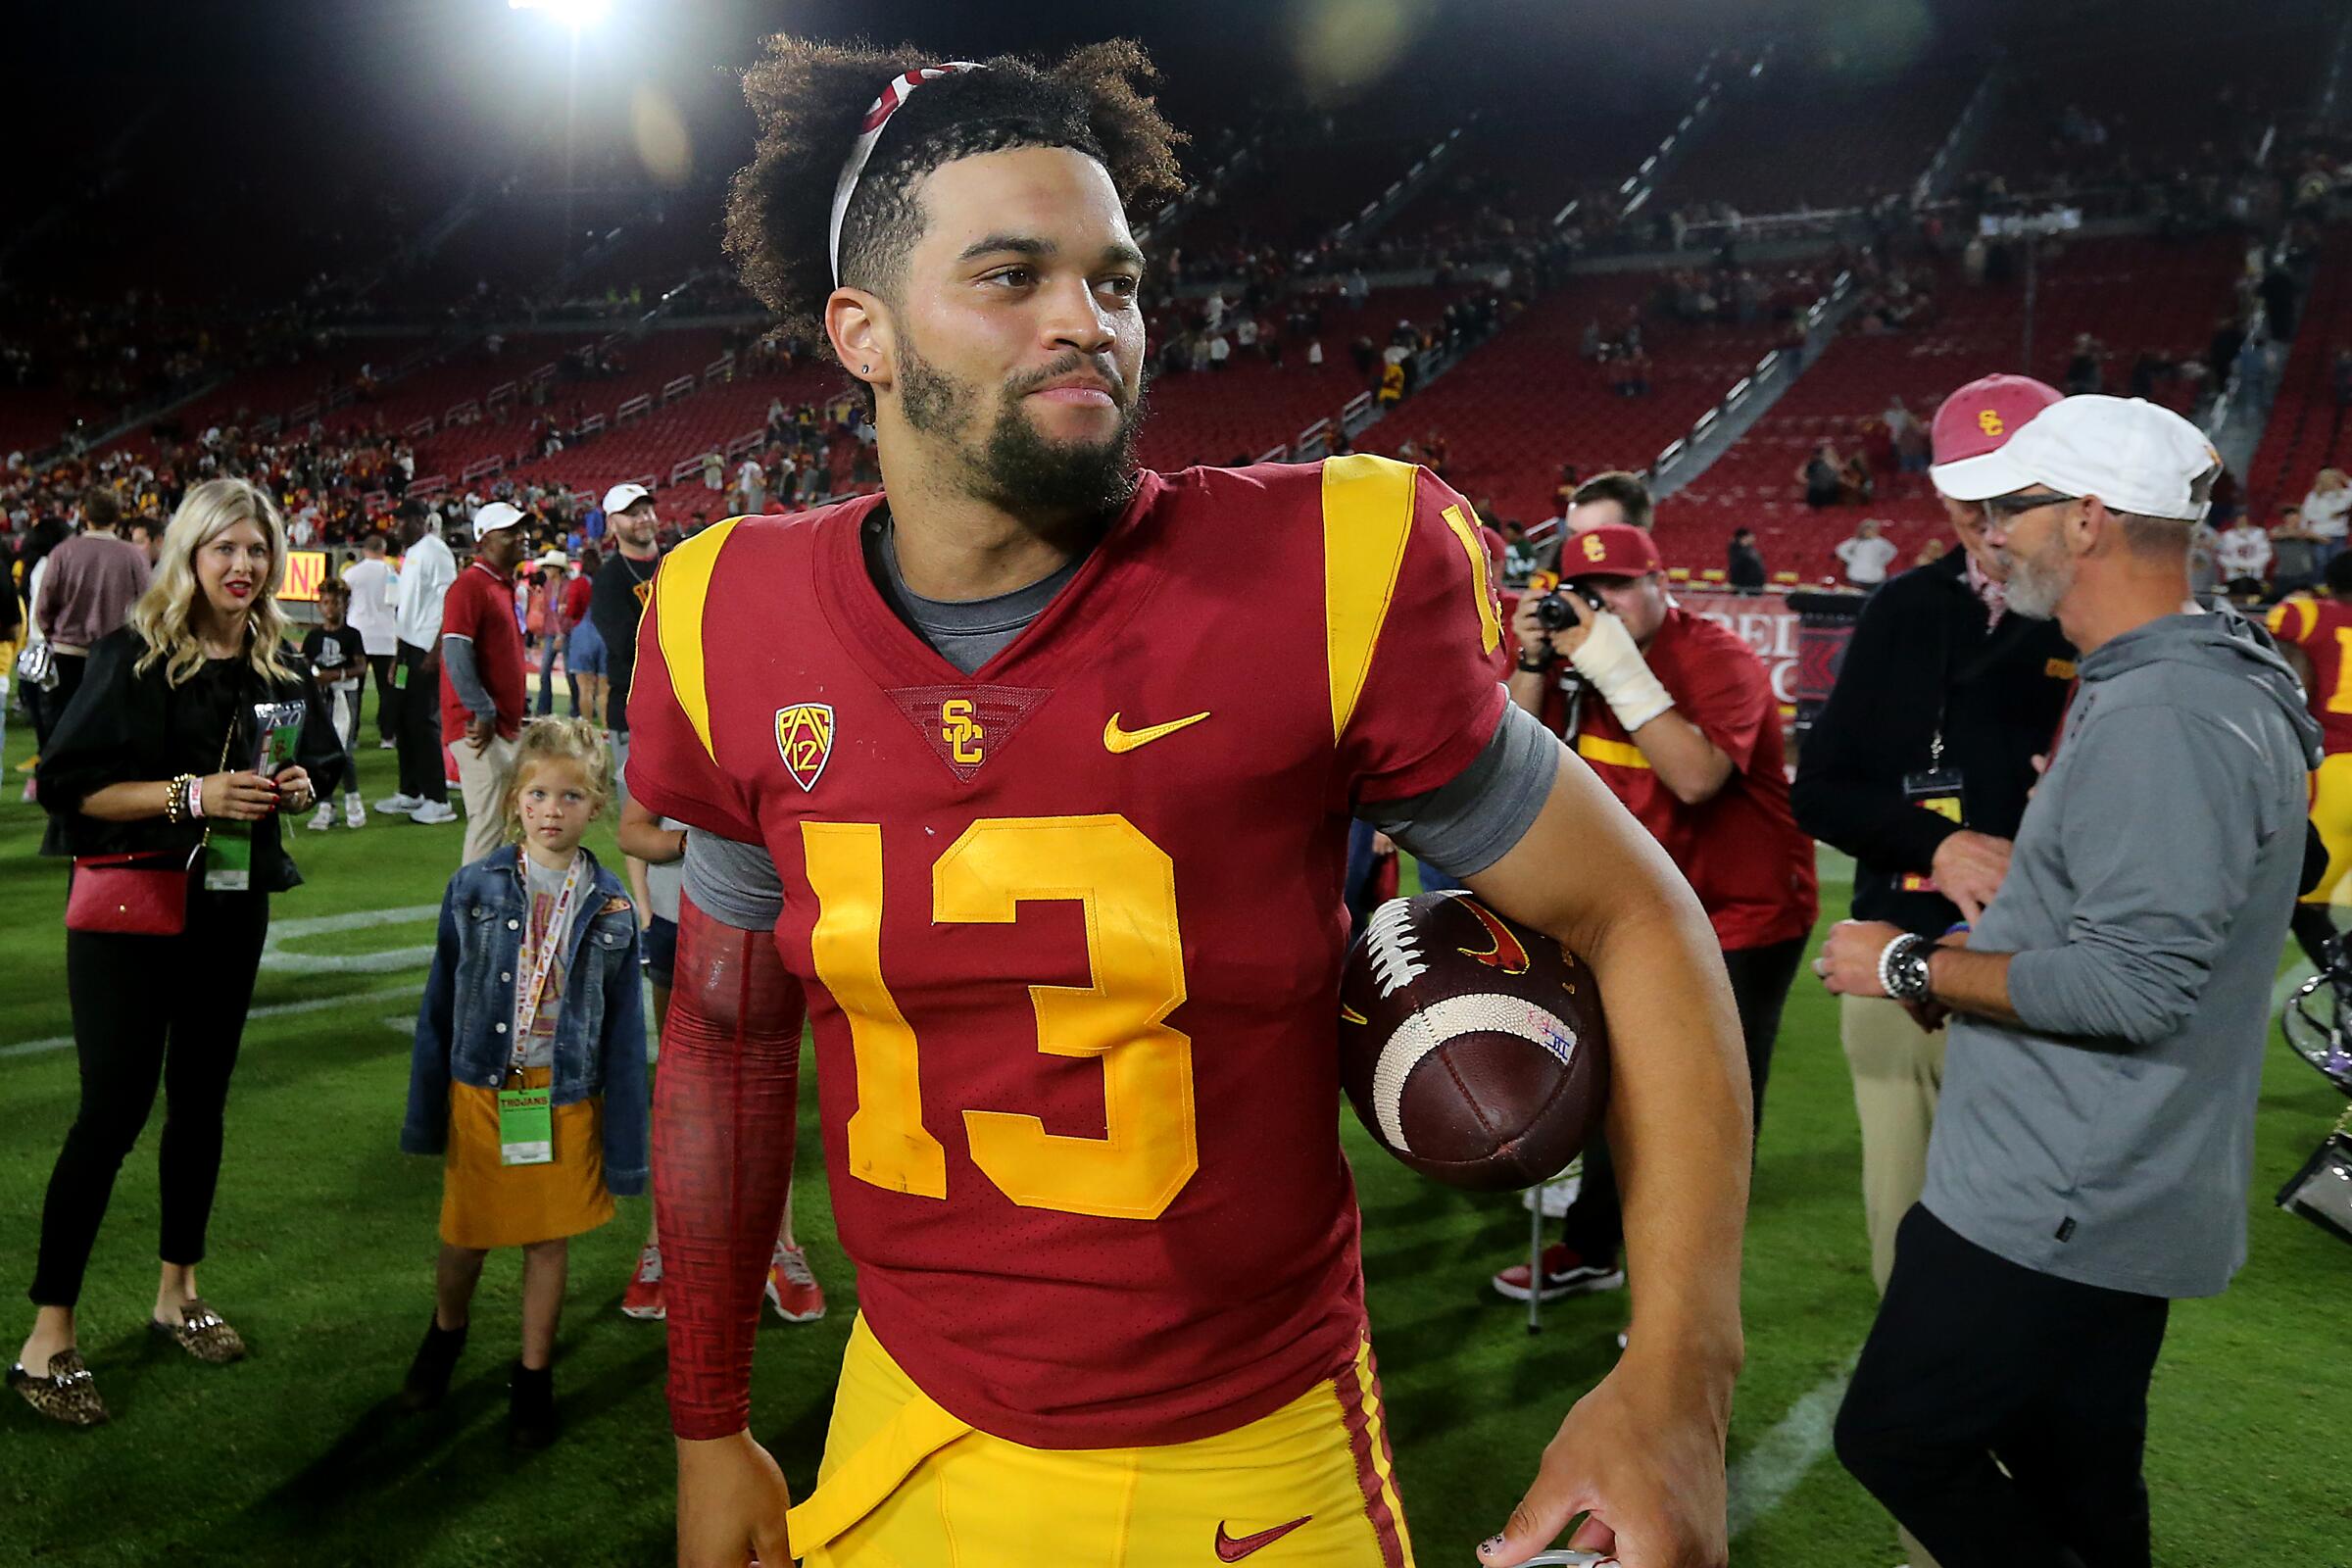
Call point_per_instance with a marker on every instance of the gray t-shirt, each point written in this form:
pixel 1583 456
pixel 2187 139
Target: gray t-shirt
pixel 1460 828
pixel 539 1049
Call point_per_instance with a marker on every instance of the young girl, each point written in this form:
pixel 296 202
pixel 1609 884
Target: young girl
pixel 529 1065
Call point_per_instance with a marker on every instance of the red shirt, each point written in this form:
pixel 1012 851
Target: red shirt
pixel 1070 927
pixel 1742 850
pixel 481 607
pixel 2323 629
pixel 576 600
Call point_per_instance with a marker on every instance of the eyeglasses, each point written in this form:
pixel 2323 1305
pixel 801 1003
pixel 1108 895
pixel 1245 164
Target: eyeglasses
pixel 2001 508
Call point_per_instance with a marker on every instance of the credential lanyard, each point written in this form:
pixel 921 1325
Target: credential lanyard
pixel 543 959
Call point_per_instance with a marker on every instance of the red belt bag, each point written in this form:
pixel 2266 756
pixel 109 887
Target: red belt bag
pixel 139 895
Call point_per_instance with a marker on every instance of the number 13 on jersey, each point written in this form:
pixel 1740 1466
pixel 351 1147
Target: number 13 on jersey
pixel 1126 885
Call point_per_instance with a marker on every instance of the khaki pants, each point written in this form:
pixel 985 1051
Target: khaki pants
pixel 482 779
pixel 1898 1074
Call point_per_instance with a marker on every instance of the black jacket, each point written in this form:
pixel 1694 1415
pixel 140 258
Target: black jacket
pixel 615 604
pixel 126 726
pixel 1921 650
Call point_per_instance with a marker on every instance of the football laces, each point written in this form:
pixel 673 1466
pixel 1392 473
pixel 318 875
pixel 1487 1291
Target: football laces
pixel 1395 947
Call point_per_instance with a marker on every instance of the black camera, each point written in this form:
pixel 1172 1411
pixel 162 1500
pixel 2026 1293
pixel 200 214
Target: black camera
pixel 1553 613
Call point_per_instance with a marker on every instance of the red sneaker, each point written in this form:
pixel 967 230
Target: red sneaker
pixel 792 1290
pixel 1566 1272
pixel 642 1299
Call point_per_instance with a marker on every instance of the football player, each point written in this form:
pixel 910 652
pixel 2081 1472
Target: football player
pixel 1055 768
pixel 2313 634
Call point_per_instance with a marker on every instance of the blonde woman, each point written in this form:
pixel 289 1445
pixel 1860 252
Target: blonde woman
pixel 157 747
pixel 2328 511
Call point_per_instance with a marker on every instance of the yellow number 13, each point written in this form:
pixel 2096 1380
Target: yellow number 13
pixel 1127 887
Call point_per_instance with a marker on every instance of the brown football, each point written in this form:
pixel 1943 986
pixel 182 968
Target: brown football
pixel 1472 1048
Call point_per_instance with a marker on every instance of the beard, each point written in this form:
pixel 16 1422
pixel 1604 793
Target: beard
pixel 1014 467
pixel 2036 583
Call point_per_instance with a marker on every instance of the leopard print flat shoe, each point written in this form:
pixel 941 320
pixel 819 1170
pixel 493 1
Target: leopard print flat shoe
pixel 203 1332
pixel 66 1395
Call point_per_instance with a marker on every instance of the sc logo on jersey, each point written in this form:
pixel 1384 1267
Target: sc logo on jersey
pixel 961 733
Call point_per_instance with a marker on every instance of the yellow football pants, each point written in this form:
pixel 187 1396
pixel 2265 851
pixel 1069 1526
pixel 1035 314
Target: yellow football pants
pixel 2331 814
pixel 905 1484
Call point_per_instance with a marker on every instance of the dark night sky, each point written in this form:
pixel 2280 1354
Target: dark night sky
pixel 456 83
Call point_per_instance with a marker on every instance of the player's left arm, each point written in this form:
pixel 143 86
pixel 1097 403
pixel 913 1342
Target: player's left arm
pixel 1642 1453
pixel 1416 705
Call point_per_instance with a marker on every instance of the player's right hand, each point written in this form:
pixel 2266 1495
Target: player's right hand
pixel 732 1498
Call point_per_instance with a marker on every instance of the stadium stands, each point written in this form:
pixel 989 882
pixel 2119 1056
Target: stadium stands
pixel 2306 432
pixel 2133 294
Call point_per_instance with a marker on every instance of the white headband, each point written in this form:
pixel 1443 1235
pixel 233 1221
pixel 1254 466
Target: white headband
pixel 894 93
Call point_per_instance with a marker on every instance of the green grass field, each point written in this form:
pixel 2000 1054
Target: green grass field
pixel 323 1246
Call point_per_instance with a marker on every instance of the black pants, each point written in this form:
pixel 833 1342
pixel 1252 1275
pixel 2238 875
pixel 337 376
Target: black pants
pixel 423 773
pixel 1760 978
pixel 45 709
pixel 387 701
pixel 150 1010
pixel 1974 1359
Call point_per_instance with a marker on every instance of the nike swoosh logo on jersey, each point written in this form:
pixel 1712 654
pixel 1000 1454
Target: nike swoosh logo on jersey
pixel 1117 740
pixel 1232 1551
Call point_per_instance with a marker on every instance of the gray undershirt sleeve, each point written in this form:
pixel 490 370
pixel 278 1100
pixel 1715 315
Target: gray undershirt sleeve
pixel 458 654
pixel 734 883
pixel 1465 826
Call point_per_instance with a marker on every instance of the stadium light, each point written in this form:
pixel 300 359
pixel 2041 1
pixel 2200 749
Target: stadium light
pixel 573 14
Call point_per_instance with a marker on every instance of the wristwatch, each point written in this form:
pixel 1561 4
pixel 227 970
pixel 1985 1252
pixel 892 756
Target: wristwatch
pixel 1543 662
pixel 1903 972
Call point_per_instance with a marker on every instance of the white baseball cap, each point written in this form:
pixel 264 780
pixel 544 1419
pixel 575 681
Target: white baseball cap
pixel 494 516
pixel 2132 453
pixel 621 497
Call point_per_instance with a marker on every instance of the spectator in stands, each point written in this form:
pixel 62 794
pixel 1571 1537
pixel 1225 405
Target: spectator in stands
pixel 426 570
pixel 1745 569
pixel 2328 511
pixel 87 589
pixel 2082 372
pixel 1823 477
pixel 371 581
pixel 482 668
pixel 1932 552
pixel 2296 564
pixel 1866 556
pixel 2244 558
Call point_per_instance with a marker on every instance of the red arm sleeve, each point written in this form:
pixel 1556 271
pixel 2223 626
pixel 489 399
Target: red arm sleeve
pixel 725 1104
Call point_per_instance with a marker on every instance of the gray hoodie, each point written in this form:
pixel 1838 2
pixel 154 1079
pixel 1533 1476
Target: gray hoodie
pixel 2109 1140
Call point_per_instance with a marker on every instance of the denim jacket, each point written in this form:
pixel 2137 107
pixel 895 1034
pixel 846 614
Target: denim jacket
pixel 463 1028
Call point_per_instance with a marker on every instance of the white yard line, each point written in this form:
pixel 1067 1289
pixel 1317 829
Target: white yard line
pixel 280 1010
pixel 1769 1470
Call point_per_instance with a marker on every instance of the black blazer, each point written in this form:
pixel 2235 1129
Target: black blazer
pixel 1921 651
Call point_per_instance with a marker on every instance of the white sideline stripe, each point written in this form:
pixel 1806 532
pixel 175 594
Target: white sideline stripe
pixel 279 1010
pixel 389 962
pixel 1769 1471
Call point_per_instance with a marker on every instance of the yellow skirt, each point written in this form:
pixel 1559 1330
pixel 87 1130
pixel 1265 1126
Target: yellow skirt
pixel 485 1203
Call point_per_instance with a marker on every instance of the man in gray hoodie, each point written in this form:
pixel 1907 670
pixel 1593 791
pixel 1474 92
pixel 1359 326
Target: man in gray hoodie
pixel 2090 1158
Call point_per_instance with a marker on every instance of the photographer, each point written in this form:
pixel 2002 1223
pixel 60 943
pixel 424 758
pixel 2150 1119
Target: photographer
pixel 1676 715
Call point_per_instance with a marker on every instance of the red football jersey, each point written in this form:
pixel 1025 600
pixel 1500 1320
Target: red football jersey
pixel 1070 927
pixel 2323 629
pixel 1743 851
